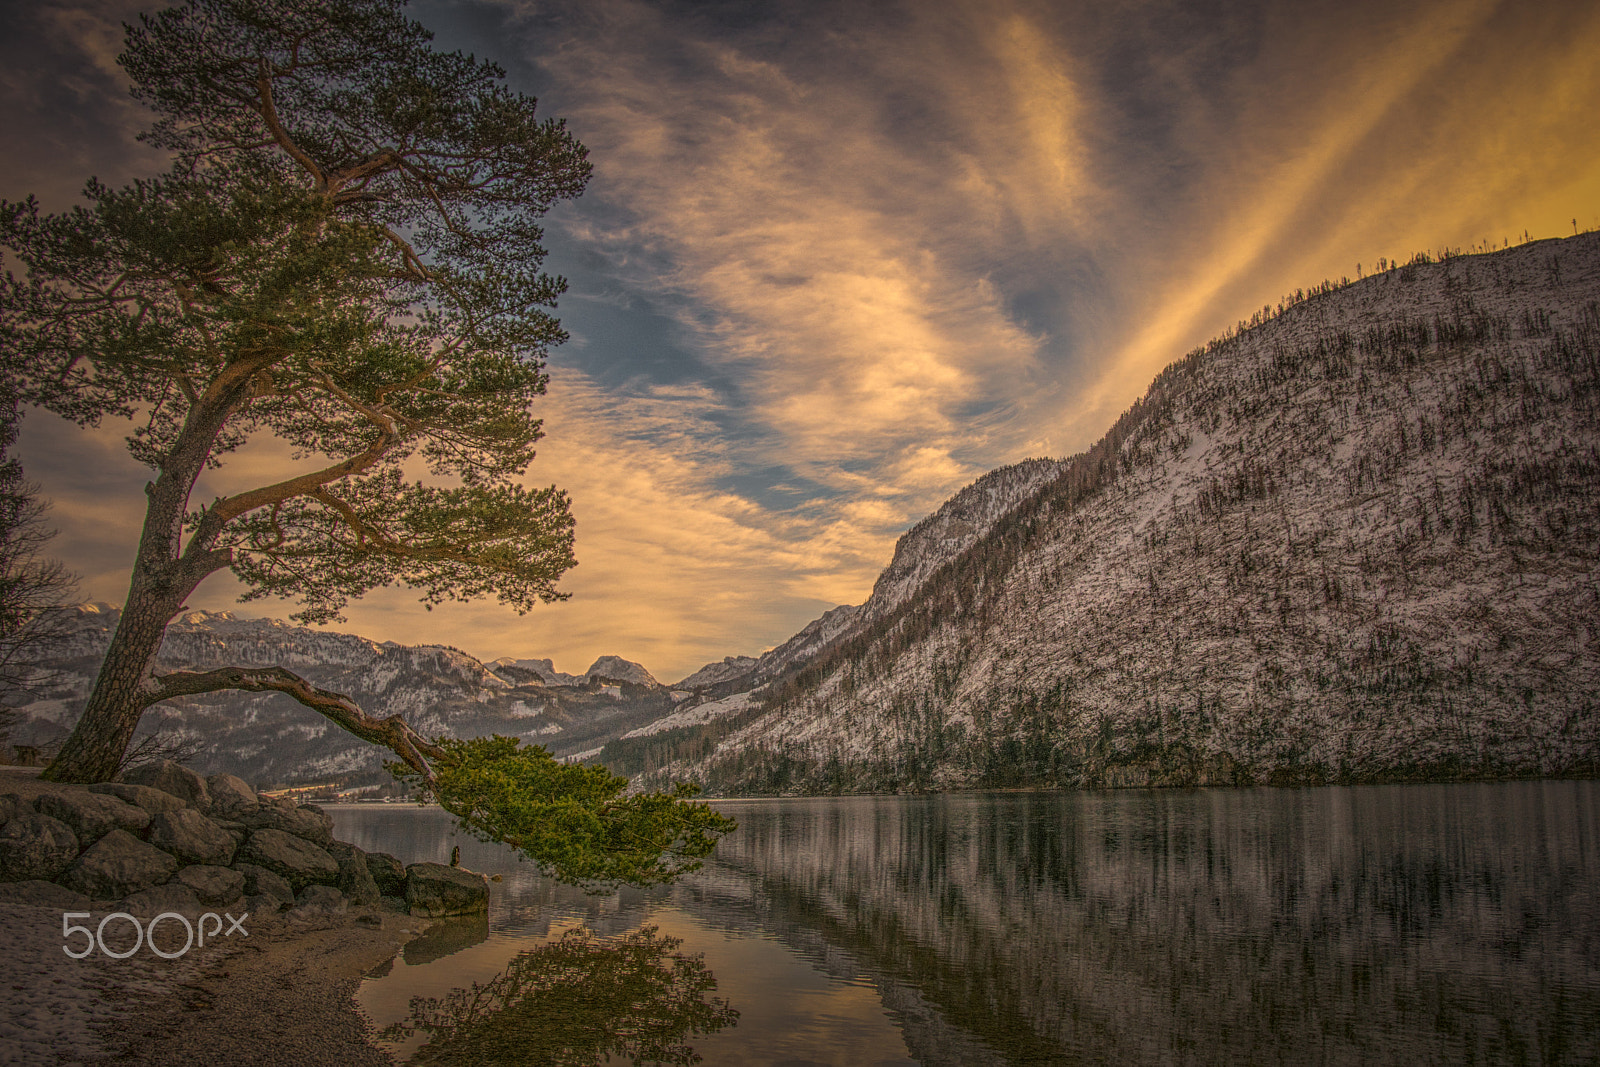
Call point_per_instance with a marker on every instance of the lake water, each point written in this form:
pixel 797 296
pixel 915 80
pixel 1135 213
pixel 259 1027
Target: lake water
pixel 1371 924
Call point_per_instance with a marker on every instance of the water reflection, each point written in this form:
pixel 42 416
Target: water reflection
pixel 1455 923
pixel 575 1001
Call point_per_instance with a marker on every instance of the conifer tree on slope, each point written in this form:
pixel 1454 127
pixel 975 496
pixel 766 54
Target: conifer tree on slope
pixel 344 258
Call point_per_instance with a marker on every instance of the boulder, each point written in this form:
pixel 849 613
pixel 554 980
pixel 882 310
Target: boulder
pixel 388 872
pixel 12 805
pixel 215 886
pixel 230 795
pixel 117 865
pixel 191 837
pixel 355 880
pixel 43 894
pixel 265 905
pixel 306 822
pixel 236 830
pixel 152 800
pixel 261 883
pixel 297 860
pixel 35 846
pixel 174 896
pixel 93 815
pixel 318 902
pixel 172 778
pixel 434 891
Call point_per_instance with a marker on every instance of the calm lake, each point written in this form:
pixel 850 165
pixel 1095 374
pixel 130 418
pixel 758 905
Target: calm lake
pixel 1370 924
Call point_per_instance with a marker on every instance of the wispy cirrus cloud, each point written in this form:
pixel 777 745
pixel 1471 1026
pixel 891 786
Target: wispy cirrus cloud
pixel 839 259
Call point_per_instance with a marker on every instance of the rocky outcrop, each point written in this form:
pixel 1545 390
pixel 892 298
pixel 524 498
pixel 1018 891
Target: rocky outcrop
pixel 308 822
pixel 388 872
pixel 355 879
pixel 34 846
pixel 191 837
pixel 296 860
pixel 230 796
pixel 154 801
pixel 144 850
pixel 260 882
pixel 318 902
pixel 92 815
pixel 117 865
pixel 174 778
pixel 435 890
pixel 215 886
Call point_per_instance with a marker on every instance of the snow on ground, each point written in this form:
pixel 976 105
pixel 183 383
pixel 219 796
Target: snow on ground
pixel 700 713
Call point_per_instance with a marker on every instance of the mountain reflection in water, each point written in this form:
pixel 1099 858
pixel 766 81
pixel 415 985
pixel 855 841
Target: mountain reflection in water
pixel 1372 924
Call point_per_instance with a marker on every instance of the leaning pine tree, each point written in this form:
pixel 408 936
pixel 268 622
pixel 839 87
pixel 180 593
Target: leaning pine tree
pixel 345 259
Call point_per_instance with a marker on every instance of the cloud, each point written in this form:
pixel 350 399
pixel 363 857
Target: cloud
pixel 839 259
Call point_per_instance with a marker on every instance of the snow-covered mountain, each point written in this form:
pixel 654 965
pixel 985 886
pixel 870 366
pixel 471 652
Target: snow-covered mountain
pixel 1357 540
pixel 606 668
pixel 727 669
pixel 270 738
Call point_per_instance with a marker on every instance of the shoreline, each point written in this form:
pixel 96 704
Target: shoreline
pixel 283 995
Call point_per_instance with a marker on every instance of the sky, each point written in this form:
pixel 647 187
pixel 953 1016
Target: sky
pixel 837 260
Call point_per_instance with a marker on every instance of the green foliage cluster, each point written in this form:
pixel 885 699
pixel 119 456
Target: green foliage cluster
pixel 573 820
pixel 345 258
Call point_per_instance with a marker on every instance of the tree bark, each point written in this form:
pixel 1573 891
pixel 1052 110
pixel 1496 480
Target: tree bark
pixel 165 572
pixel 122 691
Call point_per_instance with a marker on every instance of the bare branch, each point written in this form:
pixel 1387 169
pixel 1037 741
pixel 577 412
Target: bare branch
pixel 268 110
pixel 392 733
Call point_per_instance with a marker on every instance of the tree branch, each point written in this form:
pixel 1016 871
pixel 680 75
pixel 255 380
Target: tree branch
pixel 227 509
pixel 392 733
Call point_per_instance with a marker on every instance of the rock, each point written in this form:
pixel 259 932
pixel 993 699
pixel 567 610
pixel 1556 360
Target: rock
pixel 265 905
pixel 434 890
pixel 388 872
pixel 172 778
pixel 355 879
pixel 191 837
pixel 117 865
pixel 12 805
pixel 140 796
pixel 174 896
pixel 230 796
pixel 236 830
pixel 260 882
pixel 319 902
pixel 93 815
pixel 35 846
pixel 215 886
pixel 305 822
pixel 43 894
pixel 299 861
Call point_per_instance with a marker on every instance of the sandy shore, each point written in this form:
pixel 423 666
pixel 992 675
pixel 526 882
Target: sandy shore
pixel 282 995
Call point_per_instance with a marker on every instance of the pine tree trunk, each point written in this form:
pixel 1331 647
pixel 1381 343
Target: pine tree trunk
pixel 165 572
pixel 121 693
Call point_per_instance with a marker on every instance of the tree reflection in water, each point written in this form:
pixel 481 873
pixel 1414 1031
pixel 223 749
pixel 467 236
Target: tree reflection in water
pixel 575 1001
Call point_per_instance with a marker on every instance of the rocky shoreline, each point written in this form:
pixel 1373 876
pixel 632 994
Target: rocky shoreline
pixel 288 920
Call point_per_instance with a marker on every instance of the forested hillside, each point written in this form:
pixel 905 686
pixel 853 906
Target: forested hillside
pixel 1358 539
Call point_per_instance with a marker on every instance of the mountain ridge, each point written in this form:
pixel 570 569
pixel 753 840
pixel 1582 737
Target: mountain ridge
pixel 1354 541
